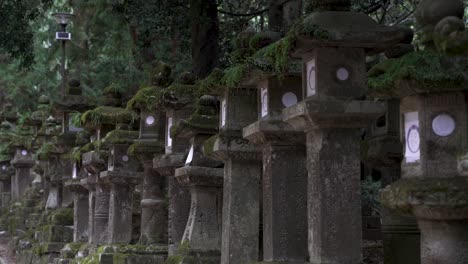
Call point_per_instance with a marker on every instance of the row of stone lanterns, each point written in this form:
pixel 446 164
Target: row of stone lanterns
pixel 271 171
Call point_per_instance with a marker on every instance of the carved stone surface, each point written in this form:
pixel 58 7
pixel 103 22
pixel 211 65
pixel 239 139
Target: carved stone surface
pixel 22 163
pixel 153 208
pixel 179 198
pixel 80 217
pixel 203 229
pixel 101 213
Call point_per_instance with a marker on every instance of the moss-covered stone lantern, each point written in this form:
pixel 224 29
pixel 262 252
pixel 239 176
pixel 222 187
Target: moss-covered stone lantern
pixel 433 108
pixel 122 176
pixel 204 177
pixel 333 42
pixel 6 174
pixel 150 144
pixel 284 177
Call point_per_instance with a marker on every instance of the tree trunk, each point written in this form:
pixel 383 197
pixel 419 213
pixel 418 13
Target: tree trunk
pixel 205 36
pixel 275 15
pixel 292 11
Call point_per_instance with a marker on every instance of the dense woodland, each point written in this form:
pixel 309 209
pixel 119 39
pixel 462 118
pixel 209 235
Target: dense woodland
pixel 115 42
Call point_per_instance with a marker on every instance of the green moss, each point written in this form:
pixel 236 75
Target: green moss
pixel 119 136
pixel 235 74
pixel 147 98
pixel 211 84
pixel 44 152
pixel 430 72
pixel 141 147
pixel 62 216
pixel 106 115
pixel 75 119
pixel 208 146
pixel 182 252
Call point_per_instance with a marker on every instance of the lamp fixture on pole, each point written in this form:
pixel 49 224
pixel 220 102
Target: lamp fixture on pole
pixel 63 19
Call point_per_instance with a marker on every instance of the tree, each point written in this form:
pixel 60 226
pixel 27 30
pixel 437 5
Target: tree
pixel 16 35
pixel 205 36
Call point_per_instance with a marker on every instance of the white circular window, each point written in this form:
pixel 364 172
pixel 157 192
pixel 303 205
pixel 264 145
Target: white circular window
pixel 124 158
pixel 3 167
pixel 265 102
pixel 311 80
pixel 150 120
pixel 342 74
pixel 289 99
pixel 24 152
pixel 413 139
pixel 443 125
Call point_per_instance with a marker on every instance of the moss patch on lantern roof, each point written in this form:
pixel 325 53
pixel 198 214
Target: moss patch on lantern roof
pixel 146 147
pixel 196 122
pixel 45 150
pixel 147 98
pixel 76 153
pixel 107 115
pixel 152 97
pixel 120 136
pixel 426 71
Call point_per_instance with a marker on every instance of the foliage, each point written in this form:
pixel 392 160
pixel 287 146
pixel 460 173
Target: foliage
pixel 16 35
pixel 108 115
pixel 370 190
pixel 432 71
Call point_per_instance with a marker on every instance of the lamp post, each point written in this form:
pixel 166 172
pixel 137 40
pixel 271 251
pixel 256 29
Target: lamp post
pixel 63 19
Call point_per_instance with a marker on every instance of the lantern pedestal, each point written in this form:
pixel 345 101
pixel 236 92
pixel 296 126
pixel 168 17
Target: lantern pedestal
pixel 94 163
pixel 179 198
pixel 241 198
pixel 22 162
pixel 284 184
pixel 120 204
pixel 203 231
pixel 80 210
pixel 333 158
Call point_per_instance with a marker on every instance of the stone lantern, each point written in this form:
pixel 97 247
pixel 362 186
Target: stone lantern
pixel 383 151
pixel 22 162
pixel 100 121
pixel 72 102
pixel 177 107
pixel 204 177
pixel 6 173
pixel 80 193
pixel 122 176
pixel 433 108
pixel 150 143
pixel 242 173
pixel 333 43
pixel 284 171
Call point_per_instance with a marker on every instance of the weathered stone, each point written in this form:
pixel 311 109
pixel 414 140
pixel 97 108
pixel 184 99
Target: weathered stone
pixel 383 151
pixel 101 213
pixel 334 80
pixel 203 230
pixel 242 177
pixel 80 210
pixel 121 176
pixel 179 196
pixel 23 163
pixel 154 208
pixel 284 178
